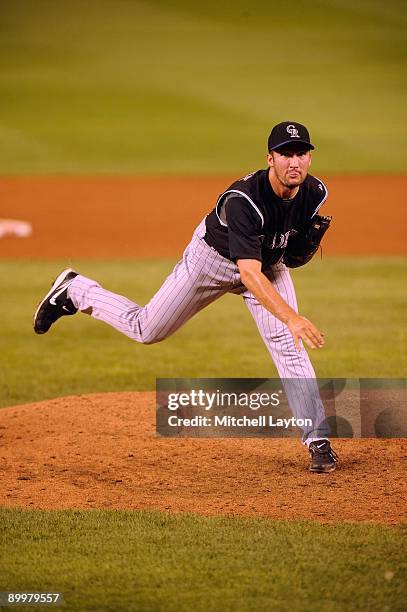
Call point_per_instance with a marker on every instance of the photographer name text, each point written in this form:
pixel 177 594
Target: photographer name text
pixel 232 421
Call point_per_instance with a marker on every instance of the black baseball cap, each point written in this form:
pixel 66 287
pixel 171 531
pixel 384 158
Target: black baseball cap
pixel 289 132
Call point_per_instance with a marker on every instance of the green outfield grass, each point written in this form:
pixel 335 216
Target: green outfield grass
pixel 103 560
pixel 359 303
pixel 173 86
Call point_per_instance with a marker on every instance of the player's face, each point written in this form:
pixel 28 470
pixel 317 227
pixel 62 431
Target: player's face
pixel 290 166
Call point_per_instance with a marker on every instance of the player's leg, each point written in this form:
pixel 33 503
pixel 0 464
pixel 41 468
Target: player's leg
pixel 198 279
pixel 294 368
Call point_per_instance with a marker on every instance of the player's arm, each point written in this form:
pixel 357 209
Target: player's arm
pixel 258 284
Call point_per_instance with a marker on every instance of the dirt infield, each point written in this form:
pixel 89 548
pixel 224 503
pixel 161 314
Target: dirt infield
pixel 121 217
pixel 100 451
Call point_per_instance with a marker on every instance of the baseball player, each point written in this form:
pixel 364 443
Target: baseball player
pixel 262 225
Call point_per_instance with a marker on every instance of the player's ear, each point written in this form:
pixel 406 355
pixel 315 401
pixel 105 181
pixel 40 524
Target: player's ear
pixel 270 160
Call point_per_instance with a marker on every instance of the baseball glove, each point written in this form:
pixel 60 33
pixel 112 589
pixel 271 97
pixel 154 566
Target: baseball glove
pixel 302 247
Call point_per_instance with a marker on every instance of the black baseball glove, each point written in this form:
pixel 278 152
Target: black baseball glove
pixel 302 247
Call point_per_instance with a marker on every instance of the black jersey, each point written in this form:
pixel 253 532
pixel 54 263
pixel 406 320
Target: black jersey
pixel 250 221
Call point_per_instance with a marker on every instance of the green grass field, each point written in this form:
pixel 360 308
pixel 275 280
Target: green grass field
pixel 347 298
pixel 164 86
pixel 170 86
pixel 153 561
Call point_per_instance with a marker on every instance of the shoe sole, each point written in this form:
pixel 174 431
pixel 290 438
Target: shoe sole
pixel 326 470
pixel 55 284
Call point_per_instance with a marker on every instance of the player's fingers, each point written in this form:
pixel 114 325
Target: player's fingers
pixel 309 342
pixel 311 331
pixel 317 340
pixel 297 342
pixel 314 342
pixel 310 336
pixel 315 336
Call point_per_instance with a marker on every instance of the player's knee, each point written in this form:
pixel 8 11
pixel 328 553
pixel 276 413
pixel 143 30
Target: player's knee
pixel 149 340
pixel 149 336
pixel 145 331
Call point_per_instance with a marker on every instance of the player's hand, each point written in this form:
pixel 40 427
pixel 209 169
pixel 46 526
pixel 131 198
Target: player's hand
pixel 302 329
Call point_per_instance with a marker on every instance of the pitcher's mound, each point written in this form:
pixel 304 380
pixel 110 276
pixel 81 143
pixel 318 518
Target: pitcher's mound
pixel 101 451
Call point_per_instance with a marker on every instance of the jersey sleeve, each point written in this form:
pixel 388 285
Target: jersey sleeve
pixel 244 229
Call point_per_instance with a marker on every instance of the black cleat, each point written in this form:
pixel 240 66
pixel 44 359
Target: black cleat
pixel 56 303
pixel 323 457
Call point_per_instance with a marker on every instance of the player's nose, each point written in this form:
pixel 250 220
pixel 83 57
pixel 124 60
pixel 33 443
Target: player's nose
pixel 294 161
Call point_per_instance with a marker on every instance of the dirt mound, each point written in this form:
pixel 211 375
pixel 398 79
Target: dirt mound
pixel 101 451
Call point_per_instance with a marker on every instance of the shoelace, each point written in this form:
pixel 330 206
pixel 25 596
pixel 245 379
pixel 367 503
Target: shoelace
pixel 329 452
pixel 332 454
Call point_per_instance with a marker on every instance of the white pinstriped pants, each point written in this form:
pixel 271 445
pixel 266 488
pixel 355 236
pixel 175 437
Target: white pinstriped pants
pixel 201 277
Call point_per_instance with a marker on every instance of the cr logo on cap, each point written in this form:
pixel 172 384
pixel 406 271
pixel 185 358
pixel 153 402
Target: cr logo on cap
pixel 292 130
